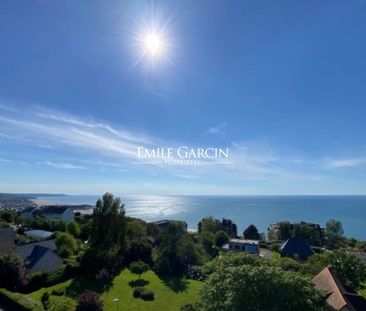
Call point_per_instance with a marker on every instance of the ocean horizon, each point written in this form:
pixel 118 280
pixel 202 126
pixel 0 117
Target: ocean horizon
pixel 260 210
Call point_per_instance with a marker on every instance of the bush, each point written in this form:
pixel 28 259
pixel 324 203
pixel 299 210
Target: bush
pixel 147 294
pixel 187 307
pixel 89 300
pixel 18 302
pixel 195 273
pixel 143 293
pixel 275 247
pixel 37 281
pixel 61 304
pixel 58 292
pixel 138 267
pixel 137 292
pixel 45 298
pixel 13 274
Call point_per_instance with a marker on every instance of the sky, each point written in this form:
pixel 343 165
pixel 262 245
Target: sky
pixel 281 84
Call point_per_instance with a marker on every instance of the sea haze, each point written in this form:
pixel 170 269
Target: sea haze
pixel 243 210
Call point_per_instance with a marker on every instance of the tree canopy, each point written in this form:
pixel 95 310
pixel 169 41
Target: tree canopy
pixel 251 233
pixel 349 269
pixel 138 267
pixel 243 283
pixel 333 232
pixel 109 223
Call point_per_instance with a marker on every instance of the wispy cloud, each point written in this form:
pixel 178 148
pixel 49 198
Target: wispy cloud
pixel 54 130
pixel 217 129
pixel 344 163
pixel 66 166
pixel 73 142
pixel 5 160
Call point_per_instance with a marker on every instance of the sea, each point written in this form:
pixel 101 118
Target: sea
pixel 243 210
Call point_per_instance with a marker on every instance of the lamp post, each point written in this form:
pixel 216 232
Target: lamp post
pixel 116 301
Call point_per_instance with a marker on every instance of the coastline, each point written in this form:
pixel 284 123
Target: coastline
pixel 40 202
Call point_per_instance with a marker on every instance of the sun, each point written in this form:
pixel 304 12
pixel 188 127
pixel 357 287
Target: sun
pixel 154 44
pixel 152 38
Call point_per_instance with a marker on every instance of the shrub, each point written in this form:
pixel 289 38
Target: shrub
pixel 58 292
pixel 187 307
pixel 138 267
pixel 45 298
pixel 13 274
pixel 61 304
pixel 195 273
pixel 137 292
pixel 37 281
pixel 19 302
pixel 89 301
pixel 275 247
pixel 147 294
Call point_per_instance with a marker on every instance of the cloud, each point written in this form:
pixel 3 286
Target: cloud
pixel 66 166
pixel 56 130
pixel 344 163
pixel 96 144
pixel 5 161
pixel 217 129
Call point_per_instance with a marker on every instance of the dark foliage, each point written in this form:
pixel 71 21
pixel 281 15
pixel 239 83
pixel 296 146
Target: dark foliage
pixel 13 275
pixel 251 233
pixel 139 249
pixel 89 301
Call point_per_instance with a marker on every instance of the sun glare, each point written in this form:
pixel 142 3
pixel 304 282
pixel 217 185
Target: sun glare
pixel 153 41
pixel 153 44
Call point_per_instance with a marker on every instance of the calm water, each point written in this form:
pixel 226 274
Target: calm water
pixel 243 210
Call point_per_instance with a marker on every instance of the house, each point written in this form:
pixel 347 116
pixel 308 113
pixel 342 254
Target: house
pixel 40 234
pixel 43 259
pixel 25 250
pixel 57 212
pixel 7 237
pixel 337 297
pixel 241 245
pixel 40 256
pixel 29 211
pixel 296 248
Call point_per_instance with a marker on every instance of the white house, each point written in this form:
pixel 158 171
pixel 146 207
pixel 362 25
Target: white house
pixel 241 245
pixel 57 212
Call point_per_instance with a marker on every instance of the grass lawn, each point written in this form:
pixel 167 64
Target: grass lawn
pixel 363 292
pixel 170 294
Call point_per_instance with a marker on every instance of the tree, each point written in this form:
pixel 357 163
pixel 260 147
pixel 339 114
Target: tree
pixel 66 244
pixel 107 241
pixel 109 223
pixel 8 215
pixel 138 267
pixel 13 274
pixel 285 230
pixel 221 237
pixel 89 301
pixel 73 229
pixel 334 233
pixel 136 229
pixel 139 249
pixel 190 252
pixel 168 259
pixel 251 233
pixel 207 239
pixel 244 287
pixel 349 269
pixel 208 224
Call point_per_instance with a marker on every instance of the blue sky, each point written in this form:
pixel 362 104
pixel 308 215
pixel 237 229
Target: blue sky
pixel 282 84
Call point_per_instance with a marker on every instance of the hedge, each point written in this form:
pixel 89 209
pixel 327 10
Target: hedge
pixel 18 302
